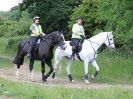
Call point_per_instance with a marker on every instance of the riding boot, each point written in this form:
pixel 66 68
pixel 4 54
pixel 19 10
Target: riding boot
pixel 33 41
pixel 73 52
pixel 73 56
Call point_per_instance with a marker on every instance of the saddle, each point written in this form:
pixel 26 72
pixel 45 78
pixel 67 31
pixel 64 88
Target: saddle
pixel 37 44
pixel 78 48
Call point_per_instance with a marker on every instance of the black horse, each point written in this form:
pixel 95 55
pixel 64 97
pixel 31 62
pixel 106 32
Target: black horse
pixel 44 52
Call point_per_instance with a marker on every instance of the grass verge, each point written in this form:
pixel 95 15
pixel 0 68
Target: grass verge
pixel 31 91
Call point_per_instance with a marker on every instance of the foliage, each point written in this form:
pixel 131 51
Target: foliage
pixel 88 10
pixel 119 17
pixel 9 45
pixel 99 15
pixel 13 28
pixel 10 27
pixel 5 63
pixel 54 13
pixel 106 15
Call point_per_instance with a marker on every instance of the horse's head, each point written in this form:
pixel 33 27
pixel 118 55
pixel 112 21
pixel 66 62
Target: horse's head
pixel 60 40
pixel 109 42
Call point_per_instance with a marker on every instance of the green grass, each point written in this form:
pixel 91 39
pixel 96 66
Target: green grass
pixel 31 91
pixel 5 63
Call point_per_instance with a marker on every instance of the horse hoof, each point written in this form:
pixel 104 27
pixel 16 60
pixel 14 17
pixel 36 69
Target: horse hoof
pixel 44 80
pixel 92 77
pixel 87 82
pixel 70 78
pixel 53 76
pixel 72 81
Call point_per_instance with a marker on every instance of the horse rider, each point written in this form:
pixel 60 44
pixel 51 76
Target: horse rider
pixel 36 32
pixel 78 35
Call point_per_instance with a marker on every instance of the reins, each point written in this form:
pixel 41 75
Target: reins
pixel 99 45
pixel 48 42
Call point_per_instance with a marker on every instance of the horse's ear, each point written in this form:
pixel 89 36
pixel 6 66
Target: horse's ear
pixel 61 32
pixel 111 33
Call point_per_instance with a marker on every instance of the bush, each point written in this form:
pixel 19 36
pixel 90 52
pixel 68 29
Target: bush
pixel 10 45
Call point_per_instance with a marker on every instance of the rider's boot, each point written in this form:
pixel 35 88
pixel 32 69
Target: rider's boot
pixel 73 55
pixel 73 52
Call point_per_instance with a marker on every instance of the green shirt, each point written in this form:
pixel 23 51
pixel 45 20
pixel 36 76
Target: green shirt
pixel 77 28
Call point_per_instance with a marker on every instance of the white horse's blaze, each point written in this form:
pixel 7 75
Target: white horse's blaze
pixel 88 53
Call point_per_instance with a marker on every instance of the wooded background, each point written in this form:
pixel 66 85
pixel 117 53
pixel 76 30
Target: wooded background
pixel 99 15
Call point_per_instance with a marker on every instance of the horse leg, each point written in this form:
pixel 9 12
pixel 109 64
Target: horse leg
pixel 57 63
pixel 19 59
pixel 94 63
pixel 31 69
pixel 43 70
pixel 17 72
pixel 51 69
pixel 86 63
pixel 68 70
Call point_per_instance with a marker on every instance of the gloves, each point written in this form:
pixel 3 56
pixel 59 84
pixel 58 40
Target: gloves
pixel 82 36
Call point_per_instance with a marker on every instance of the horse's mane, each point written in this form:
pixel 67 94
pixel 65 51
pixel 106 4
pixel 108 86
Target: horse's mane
pixel 52 33
pixel 101 33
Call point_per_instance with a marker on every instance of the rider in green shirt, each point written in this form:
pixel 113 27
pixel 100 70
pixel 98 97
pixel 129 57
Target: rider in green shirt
pixel 77 34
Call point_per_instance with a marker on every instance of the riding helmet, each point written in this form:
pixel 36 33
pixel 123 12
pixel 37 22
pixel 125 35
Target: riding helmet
pixel 79 18
pixel 36 17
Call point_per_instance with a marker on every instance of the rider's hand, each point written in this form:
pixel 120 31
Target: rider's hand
pixel 43 34
pixel 82 36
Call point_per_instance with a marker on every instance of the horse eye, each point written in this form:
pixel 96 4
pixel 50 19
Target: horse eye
pixel 111 39
pixel 59 38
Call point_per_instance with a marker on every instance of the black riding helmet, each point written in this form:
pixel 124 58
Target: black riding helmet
pixel 79 18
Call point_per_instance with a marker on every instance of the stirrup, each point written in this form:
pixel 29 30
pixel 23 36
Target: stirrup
pixel 73 57
pixel 29 55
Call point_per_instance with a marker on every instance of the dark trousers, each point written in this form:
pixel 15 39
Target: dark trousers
pixel 75 45
pixel 33 41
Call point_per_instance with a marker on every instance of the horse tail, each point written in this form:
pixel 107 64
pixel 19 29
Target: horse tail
pixel 19 59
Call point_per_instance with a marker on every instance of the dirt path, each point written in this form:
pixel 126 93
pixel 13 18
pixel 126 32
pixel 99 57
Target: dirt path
pixel 5 97
pixel 25 78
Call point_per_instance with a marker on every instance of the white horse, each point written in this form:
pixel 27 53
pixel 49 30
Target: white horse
pixel 88 53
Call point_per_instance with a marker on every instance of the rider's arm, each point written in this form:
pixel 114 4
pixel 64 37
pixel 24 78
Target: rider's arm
pixel 43 34
pixel 34 32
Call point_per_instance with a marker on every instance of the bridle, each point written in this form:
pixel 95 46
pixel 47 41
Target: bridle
pixel 51 43
pixel 107 38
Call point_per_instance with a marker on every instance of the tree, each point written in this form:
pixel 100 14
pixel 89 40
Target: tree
pixel 107 15
pixel 11 26
pixel 89 11
pixel 54 13
pixel 119 17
